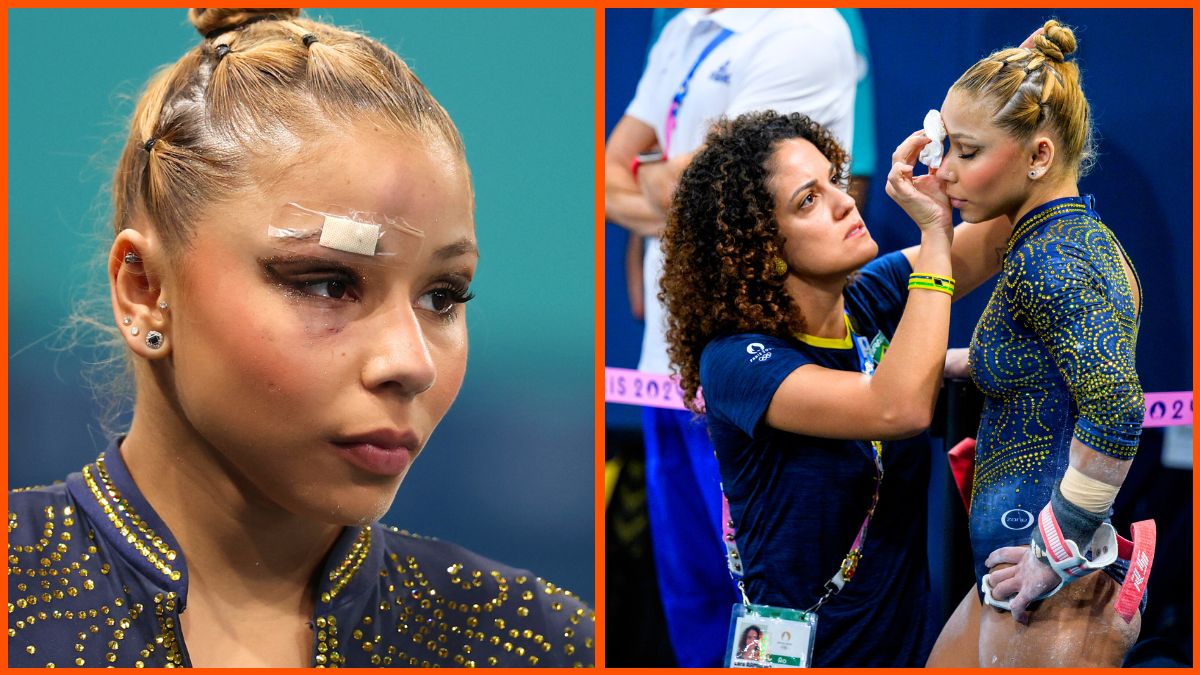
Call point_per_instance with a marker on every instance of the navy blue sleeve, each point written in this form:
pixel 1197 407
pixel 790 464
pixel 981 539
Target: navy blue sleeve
pixel 879 291
pixel 739 375
pixel 1061 293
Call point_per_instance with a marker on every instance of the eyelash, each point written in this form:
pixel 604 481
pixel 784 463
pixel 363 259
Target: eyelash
pixel 459 294
pixel 837 182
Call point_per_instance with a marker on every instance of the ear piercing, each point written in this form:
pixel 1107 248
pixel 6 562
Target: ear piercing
pixel 1033 174
pixel 127 320
pixel 134 331
pixel 154 339
pixel 162 304
pixel 131 258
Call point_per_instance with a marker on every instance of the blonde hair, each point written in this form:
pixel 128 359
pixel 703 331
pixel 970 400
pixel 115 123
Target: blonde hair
pixel 258 79
pixel 1036 89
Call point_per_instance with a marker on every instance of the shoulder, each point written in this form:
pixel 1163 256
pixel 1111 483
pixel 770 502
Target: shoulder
pixel 736 350
pixel 30 509
pixel 514 617
pixel 1054 254
pixel 813 31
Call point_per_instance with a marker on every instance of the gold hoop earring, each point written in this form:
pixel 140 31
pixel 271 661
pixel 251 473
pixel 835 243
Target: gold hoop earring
pixel 779 266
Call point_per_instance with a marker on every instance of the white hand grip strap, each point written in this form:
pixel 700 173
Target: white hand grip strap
pixel 1063 556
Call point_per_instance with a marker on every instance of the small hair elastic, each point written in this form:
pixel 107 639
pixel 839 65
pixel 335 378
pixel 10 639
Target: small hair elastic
pixel 149 144
pixel 308 39
pixel 222 50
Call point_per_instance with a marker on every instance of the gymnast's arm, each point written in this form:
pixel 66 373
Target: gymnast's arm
pixel 977 253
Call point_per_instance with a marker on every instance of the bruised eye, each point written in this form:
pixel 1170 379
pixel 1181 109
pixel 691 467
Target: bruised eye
pixel 312 278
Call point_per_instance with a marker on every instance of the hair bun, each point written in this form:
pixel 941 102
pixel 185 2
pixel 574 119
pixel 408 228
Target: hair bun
pixel 213 21
pixel 1056 41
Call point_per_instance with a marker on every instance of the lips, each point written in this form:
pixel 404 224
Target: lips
pixel 384 452
pixel 857 231
pixel 957 203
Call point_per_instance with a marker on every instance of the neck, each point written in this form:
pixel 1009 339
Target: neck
pixel 820 301
pixel 1051 190
pixel 237 543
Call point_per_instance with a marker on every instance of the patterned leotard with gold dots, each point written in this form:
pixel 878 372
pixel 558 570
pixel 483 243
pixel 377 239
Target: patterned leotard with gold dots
pixel 1053 354
pixel 95 579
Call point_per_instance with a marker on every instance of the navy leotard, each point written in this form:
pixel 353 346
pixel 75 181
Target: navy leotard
pixel 1053 354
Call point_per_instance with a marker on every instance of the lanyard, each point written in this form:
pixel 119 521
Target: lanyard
pixel 682 92
pixel 849 566
pixel 850 563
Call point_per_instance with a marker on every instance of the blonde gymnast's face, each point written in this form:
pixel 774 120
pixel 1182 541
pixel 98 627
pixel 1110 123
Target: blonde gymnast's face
pixel 985 170
pixel 314 374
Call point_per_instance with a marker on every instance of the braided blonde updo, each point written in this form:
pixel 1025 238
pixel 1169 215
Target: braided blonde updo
pixel 1036 90
pixel 260 82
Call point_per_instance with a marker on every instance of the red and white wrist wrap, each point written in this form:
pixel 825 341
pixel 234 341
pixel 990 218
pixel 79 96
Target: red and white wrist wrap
pixel 1064 556
pixel 1068 562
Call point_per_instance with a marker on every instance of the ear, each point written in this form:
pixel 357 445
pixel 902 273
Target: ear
pixel 1041 157
pixel 134 276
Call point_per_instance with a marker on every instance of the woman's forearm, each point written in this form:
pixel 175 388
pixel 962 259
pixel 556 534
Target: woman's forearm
pixel 908 379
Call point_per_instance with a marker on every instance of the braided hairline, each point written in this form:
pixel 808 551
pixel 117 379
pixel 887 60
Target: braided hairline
pixel 189 142
pixel 218 44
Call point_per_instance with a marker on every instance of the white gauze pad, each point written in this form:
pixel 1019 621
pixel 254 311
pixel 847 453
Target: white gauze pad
pixel 931 154
pixel 350 236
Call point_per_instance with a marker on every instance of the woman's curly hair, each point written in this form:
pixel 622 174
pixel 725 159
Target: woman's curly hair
pixel 722 239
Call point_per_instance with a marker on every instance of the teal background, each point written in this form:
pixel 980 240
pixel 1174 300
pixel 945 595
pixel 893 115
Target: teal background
pixel 509 473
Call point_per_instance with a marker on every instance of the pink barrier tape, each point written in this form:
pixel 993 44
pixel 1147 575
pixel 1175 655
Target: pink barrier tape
pixel 632 387
pixel 1168 409
pixel 622 385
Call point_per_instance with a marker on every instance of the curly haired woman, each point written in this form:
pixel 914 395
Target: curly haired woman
pixel 778 307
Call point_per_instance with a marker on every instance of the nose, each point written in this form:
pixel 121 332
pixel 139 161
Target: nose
pixel 843 204
pixel 948 171
pixel 398 357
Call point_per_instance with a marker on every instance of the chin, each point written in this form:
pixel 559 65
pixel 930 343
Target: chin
pixel 348 505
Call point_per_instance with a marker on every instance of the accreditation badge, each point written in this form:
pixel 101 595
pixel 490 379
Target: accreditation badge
pixel 770 637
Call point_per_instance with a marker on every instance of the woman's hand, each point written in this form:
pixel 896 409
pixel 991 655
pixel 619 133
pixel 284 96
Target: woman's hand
pixel 1027 579
pixel 921 197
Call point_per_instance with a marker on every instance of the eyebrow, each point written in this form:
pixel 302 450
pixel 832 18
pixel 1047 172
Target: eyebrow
pixel 464 246
pixel 961 137
pixel 802 188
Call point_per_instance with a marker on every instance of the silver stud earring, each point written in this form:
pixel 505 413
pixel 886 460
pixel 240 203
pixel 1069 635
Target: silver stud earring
pixel 134 331
pixel 1033 174
pixel 131 258
pixel 154 339
pixel 127 320
pixel 162 304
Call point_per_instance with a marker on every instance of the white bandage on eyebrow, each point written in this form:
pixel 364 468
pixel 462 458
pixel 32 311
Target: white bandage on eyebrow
pixel 931 154
pixel 350 236
pixel 342 228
